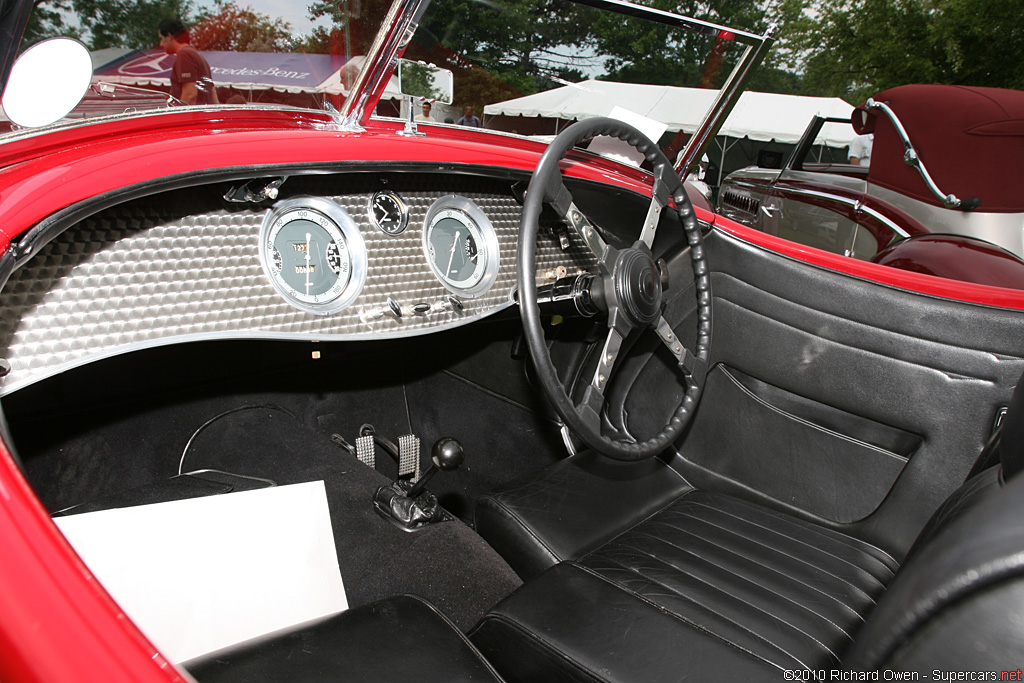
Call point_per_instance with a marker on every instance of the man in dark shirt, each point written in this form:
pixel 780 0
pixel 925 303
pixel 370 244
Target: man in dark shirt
pixel 468 119
pixel 191 79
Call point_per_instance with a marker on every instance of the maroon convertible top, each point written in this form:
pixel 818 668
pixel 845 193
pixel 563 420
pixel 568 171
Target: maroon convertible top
pixel 971 140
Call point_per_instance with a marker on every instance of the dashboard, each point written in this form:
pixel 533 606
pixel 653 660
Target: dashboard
pixel 333 257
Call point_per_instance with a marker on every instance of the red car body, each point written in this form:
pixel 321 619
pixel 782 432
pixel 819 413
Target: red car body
pixel 58 624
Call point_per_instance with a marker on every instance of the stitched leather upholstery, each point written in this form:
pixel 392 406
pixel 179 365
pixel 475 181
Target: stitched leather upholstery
pixel 734 577
pixel 714 587
pixel 789 591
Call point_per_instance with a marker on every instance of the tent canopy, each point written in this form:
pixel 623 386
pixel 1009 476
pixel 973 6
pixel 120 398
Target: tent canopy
pixel 757 115
pixel 285 72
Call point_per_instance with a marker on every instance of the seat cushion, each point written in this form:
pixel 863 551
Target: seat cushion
pixel 398 639
pixel 572 507
pixel 780 592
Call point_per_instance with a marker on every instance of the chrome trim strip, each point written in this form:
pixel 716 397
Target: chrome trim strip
pixel 662 17
pixel 858 207
pixel 748 185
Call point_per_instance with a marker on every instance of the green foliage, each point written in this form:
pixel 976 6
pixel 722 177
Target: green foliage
pixel 506 48
pixel 854 50
pixel 102 23
pixel 126 23
pixel 132 24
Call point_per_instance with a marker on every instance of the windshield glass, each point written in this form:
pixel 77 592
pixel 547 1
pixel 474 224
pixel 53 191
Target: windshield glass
pixel 520 66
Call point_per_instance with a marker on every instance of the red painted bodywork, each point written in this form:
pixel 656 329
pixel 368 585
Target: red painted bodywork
pixel 58 624
pixel 955 256
pixel 971 140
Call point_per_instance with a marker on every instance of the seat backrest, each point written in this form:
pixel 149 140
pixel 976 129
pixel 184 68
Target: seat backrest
pixel 957 604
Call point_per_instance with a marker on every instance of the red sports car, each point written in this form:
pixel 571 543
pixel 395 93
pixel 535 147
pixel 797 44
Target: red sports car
pixel 303 380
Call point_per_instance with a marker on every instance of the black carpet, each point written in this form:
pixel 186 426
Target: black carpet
pixel 448 564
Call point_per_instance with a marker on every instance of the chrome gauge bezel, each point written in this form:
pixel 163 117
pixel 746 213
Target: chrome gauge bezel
pixel 403 211
pixel 473 217
pixel 337 223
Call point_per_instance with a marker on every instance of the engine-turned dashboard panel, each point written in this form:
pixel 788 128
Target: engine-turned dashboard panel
pixel 343 257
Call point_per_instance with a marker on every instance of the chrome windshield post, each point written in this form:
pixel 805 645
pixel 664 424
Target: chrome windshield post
pixel 756 49
pixel 396 31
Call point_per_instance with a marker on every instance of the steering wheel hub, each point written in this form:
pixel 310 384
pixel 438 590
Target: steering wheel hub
pixel 637 283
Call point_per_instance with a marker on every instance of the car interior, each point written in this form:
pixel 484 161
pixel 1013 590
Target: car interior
pixel 835 496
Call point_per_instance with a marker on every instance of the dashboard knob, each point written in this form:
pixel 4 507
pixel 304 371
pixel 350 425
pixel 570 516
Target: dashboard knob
pixel 395 307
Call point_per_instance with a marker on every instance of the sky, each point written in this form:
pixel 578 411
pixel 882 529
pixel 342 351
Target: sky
pixel 292 11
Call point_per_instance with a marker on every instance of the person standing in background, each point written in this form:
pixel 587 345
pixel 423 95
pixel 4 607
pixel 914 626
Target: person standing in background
pixel 860 149
pixel 468 119
pixel 191 78
pixel 425 116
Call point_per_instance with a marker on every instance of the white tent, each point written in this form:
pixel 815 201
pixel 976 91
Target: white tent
pixel 757 116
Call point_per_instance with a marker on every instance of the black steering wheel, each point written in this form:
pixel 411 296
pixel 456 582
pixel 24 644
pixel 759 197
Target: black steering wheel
pixel 628 289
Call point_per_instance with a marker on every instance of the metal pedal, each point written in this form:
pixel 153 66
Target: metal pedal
pixel 365 451
pixel 409 456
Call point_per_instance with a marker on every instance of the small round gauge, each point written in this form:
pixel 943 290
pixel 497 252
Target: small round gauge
pixel 389 212
pixel 313 254
pixel 461 245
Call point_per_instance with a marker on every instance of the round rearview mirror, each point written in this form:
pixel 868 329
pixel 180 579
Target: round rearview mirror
pixel 47 82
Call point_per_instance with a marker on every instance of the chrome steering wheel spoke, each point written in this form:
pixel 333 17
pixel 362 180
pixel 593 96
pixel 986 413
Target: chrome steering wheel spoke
pixel 650 228
pixel 685 360
pixel 609 353
pixel 591 237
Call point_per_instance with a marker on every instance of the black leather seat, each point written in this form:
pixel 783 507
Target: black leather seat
pixel 709 586
pixel 402 638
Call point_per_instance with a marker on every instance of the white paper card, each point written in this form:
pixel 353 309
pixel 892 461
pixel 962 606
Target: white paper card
pixel 201 574
pixel 616 149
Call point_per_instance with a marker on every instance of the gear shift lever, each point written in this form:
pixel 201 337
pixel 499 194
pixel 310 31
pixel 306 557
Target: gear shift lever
pixel 446 454
pixel 410 506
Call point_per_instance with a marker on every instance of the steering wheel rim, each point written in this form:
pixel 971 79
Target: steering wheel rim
pixel 626 289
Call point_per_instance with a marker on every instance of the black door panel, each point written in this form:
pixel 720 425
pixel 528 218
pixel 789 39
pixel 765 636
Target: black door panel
pixel 855 404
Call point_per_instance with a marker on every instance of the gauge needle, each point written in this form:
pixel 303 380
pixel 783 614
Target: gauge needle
pixel 307 263
pixel 451 257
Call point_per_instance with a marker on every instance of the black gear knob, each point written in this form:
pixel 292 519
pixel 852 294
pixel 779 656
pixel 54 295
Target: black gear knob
pixel 447 453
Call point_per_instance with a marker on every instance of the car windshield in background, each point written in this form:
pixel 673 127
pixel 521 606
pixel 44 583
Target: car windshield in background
pixel 519 66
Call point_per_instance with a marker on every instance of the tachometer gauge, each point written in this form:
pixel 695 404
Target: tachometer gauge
pixel 389 212
pixel 461 245
pixel 313 254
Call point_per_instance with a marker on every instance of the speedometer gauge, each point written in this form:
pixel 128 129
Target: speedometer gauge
pixel 461 245
pixel 313 254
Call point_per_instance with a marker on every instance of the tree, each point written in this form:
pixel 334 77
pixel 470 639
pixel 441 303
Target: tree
pixel 857 49
pixel 525 45
pixel 644 52
pixel 230 28
pixel 102 23
pixel 126 23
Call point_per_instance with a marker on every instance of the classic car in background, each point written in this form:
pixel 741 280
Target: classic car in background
pixel 943 163
pixel 320 394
